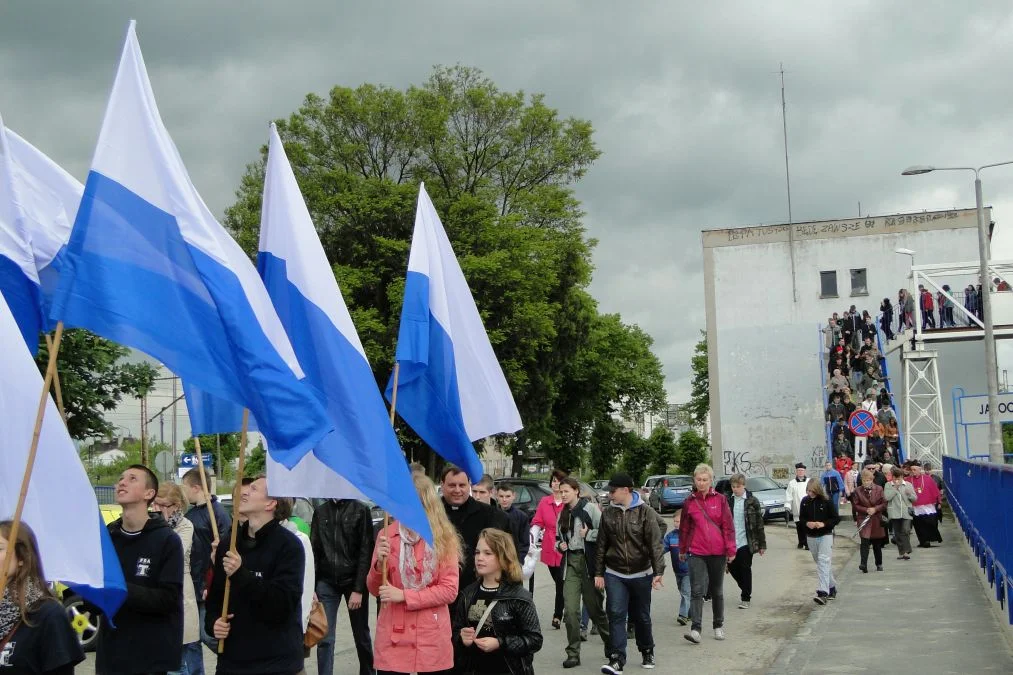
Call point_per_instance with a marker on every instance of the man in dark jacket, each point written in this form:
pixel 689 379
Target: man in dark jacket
pixel 200 551
pixel 747 514
pixel 342 539
pixel 263 634
pixel 469 516
pixel 520 524
pixel 148 637
pixel 629 564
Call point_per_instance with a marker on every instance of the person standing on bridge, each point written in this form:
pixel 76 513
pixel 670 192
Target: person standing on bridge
pixel 792 500
pixel 926 519
pixel 819 518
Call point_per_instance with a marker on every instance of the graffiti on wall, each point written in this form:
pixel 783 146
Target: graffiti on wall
pixel 745 462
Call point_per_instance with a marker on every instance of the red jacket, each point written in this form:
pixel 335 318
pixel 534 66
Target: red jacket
pixel 927 303
pixel 701 535
pixel 546 516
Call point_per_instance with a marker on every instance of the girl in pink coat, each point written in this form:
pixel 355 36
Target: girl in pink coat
pixel 413 631
pixel 544 522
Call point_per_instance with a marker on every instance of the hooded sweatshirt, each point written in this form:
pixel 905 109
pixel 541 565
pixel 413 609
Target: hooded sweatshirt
pixel 148 637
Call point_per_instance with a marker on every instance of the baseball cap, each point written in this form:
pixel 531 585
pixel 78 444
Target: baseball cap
pixel 621 480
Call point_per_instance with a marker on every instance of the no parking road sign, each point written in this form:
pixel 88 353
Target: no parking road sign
pixel 861 422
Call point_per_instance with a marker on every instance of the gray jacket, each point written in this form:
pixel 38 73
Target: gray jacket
pixel 572 537
pixel 899 500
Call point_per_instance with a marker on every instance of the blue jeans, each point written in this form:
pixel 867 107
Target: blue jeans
pixel 584 617
pixel 686 591
pixel 628 598
pixel 209 641
pixel 330 597
pixel 193 660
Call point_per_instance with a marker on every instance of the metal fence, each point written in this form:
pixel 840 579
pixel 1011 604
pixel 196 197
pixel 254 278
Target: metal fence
pixel 975 491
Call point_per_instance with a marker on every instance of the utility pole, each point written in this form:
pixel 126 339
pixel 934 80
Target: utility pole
pixel 144 429
pixel 161 428
pixel 787 181
pixel 174 418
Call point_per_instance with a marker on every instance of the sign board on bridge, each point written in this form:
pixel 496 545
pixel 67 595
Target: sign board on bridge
pixel 189 460
pixel 861 422
pixel 974 409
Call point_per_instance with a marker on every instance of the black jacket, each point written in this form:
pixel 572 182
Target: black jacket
pixel 342 538
pixel 755 535
pixel 200 552
pixel 470 518
pixel 820 511
pixel 515 622
pixel 266 635
pixel 148 637
pixel 520 528
pixel 629 541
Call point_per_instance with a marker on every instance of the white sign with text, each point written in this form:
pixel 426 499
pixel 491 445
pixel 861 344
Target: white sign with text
pixel 974 409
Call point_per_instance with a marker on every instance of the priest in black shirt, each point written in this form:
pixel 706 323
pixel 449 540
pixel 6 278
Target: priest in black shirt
pixel 469 516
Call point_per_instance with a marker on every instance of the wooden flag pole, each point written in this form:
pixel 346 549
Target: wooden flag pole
pixel 386 516
pixel 32 451
pixel 236 490
pixel 57 389
pixel 207 493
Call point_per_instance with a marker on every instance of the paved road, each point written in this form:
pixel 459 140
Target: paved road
pixel 927 615
pixel 784 582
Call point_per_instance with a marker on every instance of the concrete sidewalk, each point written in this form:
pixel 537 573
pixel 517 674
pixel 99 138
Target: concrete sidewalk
pixel 926 615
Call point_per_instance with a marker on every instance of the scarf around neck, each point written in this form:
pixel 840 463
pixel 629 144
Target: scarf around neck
pixel 10 612
pixel 412 577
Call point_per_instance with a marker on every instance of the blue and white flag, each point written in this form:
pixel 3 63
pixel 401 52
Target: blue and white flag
pixel 362 454
pixel 38 203
pixel 451 389
pixel 60 506
pixel 148 266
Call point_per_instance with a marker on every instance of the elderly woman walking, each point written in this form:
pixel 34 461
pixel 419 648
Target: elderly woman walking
pixel 868 505
pixel 900 498
pixel 819 518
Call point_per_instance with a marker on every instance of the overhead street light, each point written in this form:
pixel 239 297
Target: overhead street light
pixel 995 453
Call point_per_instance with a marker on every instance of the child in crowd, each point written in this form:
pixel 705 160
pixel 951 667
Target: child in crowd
pixel 681 567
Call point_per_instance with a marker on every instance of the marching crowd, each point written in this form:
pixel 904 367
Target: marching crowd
pixel 456 605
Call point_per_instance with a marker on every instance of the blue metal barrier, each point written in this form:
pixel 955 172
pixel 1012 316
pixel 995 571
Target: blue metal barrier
pixel 825 394
pixel 974 491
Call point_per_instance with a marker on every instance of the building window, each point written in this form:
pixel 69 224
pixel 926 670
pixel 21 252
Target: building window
pixel 828 284
pixel 858 285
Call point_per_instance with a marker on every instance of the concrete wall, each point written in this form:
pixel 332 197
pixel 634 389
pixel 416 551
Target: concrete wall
pixel 764 348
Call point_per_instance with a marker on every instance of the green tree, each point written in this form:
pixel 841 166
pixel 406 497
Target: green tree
pixel 108 474
pixel 223 447
pixel 690 451
pixel 256 462
pixel 699 398
pixel 94 379
pixel 637 454
pixel 663 449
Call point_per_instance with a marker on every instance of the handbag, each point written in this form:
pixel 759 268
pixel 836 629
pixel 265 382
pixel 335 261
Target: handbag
pixel 317 628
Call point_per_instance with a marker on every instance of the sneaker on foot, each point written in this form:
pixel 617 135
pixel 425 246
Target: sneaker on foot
pixel 719 633
pixel 693 636
pixel 833 593
pixel 583 635
pixel 879 568
pixel 571 662
pixel 649 659
pixel 683 620
pixel 594 630
pixel 706 598
pixel 744 604
pixel 821 598
pixel 613 667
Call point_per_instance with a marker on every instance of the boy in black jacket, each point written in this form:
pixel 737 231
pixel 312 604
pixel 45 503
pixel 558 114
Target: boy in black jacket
pixel 263 634
pixel 148 637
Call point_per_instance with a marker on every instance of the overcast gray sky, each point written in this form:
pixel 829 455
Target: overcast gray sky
pixel 684 98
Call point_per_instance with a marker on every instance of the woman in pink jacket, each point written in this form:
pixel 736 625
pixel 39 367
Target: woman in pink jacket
pixel 544 522
pixel 707 542
pixel 413 631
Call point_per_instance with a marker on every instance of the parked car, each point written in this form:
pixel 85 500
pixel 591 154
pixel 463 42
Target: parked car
pixel 649 484
pixel 531 490
pixel 670 492
pixel 602 488
pixel 769 492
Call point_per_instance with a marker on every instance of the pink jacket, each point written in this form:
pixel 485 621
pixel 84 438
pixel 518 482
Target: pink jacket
pixel 698 535
pixel 546 516
pixel 413 636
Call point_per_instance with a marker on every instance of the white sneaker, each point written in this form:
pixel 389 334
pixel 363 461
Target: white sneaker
pixel 744 604
pixel 719 633
pixel 693 636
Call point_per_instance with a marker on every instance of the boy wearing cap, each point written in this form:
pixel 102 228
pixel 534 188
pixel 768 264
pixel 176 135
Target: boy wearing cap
pixel 629 564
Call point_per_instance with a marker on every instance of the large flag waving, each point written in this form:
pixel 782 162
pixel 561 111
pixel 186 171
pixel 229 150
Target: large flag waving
pixel 451 389
pixel 148 266
pixel 38 202
pixel 362 453
pixel 60 506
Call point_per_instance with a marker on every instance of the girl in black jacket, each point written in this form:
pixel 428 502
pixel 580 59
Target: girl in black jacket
pixel 496 629
pixel 819 517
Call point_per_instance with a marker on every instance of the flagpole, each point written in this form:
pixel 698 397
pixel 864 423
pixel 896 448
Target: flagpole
pixel 236 489
pixel 30 464
pixel 57 389
pixel 386 516
pixel 204 486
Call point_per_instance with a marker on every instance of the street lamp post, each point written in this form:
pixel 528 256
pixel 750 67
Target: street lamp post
pixel 995 453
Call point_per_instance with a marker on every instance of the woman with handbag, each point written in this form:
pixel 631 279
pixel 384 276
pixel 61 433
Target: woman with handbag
pixel 35 635
pixel 868 508
pixel 496 629
pixel 413 630
pixel 900 496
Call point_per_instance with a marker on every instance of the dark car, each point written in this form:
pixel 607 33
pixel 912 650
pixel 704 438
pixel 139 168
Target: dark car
pixel 670 492
pixel 530 492
pixel 770 494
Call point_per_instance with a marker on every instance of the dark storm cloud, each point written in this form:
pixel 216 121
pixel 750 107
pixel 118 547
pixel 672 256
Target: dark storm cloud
pixel 684 98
